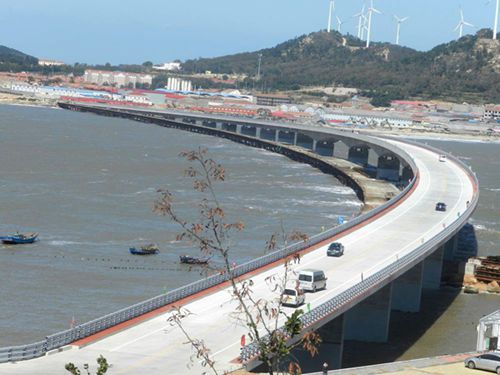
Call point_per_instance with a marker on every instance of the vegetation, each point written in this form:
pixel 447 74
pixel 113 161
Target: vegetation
pixel 466 69
pixel 102 368
pixel 211 234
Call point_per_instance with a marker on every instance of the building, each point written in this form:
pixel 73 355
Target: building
pixel 178 84
pixel 168 66
pixel 46 62
pixel 272 100
pixel 118 79
pixel 492 112
pixel 488 332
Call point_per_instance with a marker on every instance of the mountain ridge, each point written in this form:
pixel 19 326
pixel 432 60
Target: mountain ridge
pixel 466 69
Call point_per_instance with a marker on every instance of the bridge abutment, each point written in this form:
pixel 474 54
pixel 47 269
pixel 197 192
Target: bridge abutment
pixel 407 290
pixel 369 320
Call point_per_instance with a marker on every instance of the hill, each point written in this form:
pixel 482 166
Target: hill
pixel 463 70
pixel 15 61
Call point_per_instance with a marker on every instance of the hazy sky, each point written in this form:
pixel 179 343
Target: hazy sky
pixel 132 31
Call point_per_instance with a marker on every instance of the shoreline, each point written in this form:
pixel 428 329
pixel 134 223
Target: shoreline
pixel 419 135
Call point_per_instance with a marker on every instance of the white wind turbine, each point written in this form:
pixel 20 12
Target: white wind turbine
pixel 495 22
pixel 361 20
pixel 461 24
pixel 339 24
pixel 330 13
pixel 398 28
pixel 371 10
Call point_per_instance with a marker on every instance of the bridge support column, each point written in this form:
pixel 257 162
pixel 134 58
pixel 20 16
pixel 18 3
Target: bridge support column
pixel 369 320
pixel 238 128
pixel 330 350
pixel 433 266
pixel 277 136
pixel 257 133
pixel 315 143
pixel 450 248
pixel 407 290
pixel 218 125
pixel 295 138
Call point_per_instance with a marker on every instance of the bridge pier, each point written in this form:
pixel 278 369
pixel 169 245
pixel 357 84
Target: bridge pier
pixel 433 266
pixel 330 350
pixel 325 148
pixel 450 248
pixel 407 290
pixel 359 155
pixel 368 321
pixel 388 168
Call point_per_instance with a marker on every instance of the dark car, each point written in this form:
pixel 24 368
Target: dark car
pixel 440 206
pixel 335 249
pixel 487 361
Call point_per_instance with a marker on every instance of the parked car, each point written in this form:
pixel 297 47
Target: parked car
pixel 488 361
pixel 440 206
pixel 442 158
pixel 336 249
pixel 312 280
pixel 293 297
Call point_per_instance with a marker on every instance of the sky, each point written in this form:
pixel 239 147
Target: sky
pixel 131 31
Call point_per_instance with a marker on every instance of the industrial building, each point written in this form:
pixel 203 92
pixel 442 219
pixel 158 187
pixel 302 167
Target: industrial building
pixel 118 79
pixel 272 100
pixel 492 112
pixel 178 84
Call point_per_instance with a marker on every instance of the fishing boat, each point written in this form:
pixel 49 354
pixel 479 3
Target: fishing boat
pixel 186 259
pixel 145 250
pixel 19 238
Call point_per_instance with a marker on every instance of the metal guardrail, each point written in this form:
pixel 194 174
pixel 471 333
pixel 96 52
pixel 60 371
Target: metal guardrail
pixel 57 340
pixel 251 351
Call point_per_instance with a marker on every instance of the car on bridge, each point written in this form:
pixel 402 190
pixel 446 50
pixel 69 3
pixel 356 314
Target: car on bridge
pixel 442 158
pixel 293 297
pixel 440 206
pixel 336 249
pixel 312 280
pixel 487 361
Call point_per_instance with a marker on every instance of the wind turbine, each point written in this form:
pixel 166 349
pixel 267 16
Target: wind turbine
pixel 495 23
pixel 330 13
pixel 398 28
pixel 361 16
pixel 339 23
pixel 461 24
pixel 371 10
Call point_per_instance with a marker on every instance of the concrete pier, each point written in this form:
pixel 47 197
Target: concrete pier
pixel 433 268
pixel 407 290
pixel 369 320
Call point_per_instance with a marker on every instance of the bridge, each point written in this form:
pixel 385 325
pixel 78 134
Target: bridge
pixel 392 253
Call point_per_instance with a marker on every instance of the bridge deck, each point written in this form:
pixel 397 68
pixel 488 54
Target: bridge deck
pixel 155 347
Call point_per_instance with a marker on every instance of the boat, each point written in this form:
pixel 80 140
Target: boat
pixel 186 259
pixel 145 250
pixel 19 238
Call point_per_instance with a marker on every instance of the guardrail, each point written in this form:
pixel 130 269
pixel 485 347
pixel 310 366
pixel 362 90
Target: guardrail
pixel 66 337
pixel 380 278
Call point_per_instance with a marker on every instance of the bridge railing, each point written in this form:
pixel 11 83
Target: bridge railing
pixel 379 278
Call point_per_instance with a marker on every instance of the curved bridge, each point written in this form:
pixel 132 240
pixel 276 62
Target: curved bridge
pixel 392 253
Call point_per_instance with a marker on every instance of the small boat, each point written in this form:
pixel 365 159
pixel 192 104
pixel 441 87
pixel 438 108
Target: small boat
pixel 19 238
pixel 186 259
pixel 145 250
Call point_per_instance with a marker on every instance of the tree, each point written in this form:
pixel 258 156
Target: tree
pixel 101 370
pixel 211 234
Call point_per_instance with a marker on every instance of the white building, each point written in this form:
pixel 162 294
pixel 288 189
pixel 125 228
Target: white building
pixel 46 62
pixel 178 84
pixel 168 66
pixel 492 112
pixel 119 79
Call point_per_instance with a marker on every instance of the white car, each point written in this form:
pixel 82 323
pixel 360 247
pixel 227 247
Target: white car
pixel 293 297
pixel 442 158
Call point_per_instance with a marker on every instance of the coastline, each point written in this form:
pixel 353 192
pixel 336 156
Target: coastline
pixel 416 134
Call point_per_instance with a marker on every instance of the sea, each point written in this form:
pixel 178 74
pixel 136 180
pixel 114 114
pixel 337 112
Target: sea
pixel 88 184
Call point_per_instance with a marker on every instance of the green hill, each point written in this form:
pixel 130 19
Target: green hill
pixel 15 61
pixel 467 69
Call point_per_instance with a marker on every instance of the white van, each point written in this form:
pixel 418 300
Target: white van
pixel 312 280
pixel 293 297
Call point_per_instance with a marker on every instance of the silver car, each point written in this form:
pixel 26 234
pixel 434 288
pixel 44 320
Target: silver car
pixel 488 361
